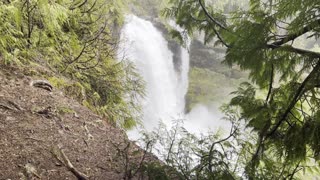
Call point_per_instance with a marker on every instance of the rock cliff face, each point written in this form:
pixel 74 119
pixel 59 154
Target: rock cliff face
pixel 46 135
pixel 211 58
pixel 210 81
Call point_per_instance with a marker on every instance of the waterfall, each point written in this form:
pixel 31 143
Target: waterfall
pixel 166 88
pixel 146 47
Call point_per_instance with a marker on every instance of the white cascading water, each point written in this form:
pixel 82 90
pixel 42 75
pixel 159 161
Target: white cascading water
pixel 146 47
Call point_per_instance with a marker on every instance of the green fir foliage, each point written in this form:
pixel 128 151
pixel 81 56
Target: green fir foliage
pixel 74 39
pixel 281 102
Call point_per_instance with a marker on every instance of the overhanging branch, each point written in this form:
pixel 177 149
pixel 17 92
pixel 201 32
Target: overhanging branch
pixel 294 100
pixel 300 51
pixel 302 31
pixel 210 17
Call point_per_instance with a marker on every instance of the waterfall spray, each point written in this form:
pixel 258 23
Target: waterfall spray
pixel 146 47
pixel 165 89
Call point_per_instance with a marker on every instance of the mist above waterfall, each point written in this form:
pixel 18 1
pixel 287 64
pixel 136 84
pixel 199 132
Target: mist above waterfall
pixel 146 47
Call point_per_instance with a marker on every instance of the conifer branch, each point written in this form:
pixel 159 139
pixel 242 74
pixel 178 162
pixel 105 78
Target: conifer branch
pixel 290 176
pixel 92 7
pixel 270 83
pixel 79 6
pixel 220 38
pixel 210 17
pixel 232 133
pixel 291 37
pixel 300 51
pixel 294 100
pixel 215 22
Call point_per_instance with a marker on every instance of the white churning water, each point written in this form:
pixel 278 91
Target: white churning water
pixel 146 47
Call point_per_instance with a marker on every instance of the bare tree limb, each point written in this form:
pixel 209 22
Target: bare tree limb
pixel 66 162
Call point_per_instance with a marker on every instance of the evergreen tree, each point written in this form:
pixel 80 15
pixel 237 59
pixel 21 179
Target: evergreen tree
pixel 281 103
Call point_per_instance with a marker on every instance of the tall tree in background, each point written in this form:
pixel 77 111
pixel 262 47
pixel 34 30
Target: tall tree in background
pixel 282 102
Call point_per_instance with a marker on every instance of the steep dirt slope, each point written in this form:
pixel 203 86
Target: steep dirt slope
pixel 46 135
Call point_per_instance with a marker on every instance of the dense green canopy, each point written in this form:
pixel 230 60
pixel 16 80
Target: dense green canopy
pixel 281 103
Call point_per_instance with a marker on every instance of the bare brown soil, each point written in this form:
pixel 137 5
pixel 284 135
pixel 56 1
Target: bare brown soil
pixel 42 133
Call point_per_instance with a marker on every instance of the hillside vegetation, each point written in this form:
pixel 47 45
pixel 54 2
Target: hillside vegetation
pixel 76 40
pixel 46 135
pixel 65 96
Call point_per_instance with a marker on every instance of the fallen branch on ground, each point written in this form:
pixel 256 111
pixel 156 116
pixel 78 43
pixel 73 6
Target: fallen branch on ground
pixel 66 162
pixel 10 105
